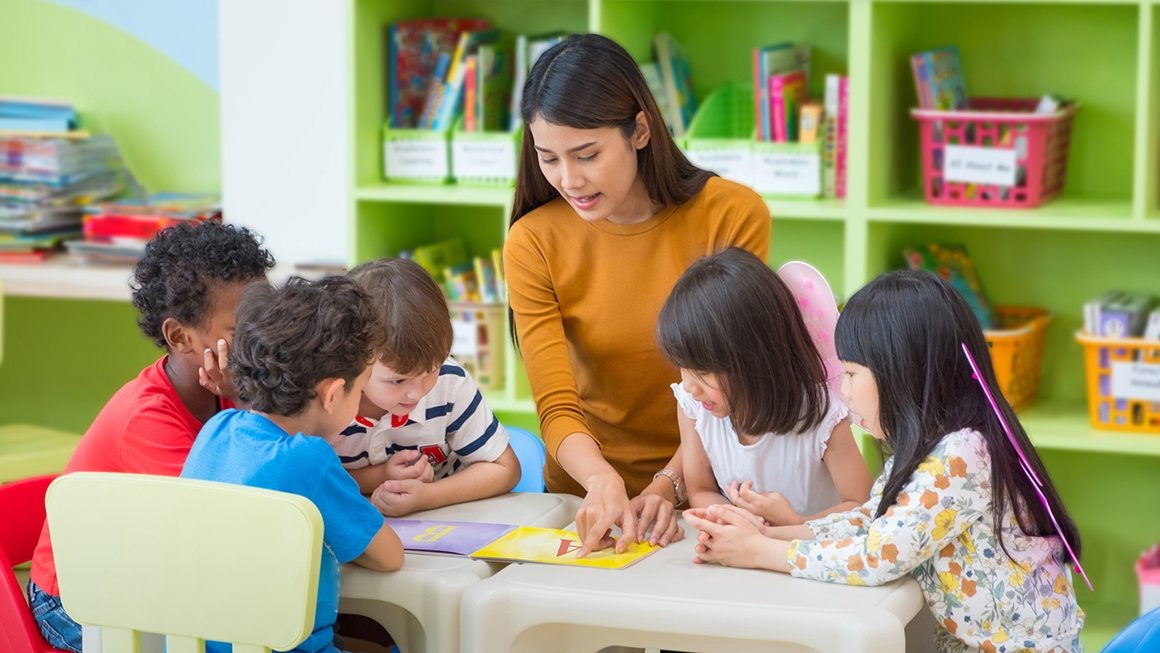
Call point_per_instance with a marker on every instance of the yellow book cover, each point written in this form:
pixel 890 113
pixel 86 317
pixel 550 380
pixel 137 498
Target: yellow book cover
pixel 557 547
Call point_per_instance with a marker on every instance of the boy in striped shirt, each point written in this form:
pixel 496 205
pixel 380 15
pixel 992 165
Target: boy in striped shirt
pixel 424 436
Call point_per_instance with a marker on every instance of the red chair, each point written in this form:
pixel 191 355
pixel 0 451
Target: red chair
pixel 22 504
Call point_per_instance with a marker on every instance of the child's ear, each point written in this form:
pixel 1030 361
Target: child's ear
pixel 330 391
pixel 176 336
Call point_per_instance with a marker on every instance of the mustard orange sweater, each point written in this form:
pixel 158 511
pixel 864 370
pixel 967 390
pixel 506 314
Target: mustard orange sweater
pixel 586 297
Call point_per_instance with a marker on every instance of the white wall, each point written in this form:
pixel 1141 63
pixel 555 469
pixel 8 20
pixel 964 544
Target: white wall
pixel 285 108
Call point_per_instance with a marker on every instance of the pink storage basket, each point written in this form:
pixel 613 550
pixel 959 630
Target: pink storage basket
pixel 1040 142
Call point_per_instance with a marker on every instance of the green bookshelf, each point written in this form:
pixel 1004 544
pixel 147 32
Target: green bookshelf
pixel 1103 232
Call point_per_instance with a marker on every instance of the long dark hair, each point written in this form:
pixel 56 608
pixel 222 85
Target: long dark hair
pixel 732 316
pixel 906 328
pixel 589 81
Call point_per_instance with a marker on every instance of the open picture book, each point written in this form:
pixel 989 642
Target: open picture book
pixel 509 543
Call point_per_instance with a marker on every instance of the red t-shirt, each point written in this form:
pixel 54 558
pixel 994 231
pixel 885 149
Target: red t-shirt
pixel 143 429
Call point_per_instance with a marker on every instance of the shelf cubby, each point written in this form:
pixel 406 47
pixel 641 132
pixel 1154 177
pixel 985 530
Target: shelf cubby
pixel 1013 50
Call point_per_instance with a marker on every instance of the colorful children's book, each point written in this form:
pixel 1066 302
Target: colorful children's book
pixel 414 47
pixel 952 263
pixel 777 59
pixel 787 92
pixel 494 85
pixel 508 543
pixel 938 78
pixel 843 136
pixel 677 75
pixel 809 122
pixel 450 537
pixel 557 547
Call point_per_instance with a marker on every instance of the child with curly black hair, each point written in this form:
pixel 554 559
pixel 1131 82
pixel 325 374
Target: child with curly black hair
pixel 186 289
pixel 300 360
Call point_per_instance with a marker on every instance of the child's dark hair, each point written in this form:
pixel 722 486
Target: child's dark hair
pixel 732 316
pixel 906 328
pixel 588 81
pixel 412 313
pixel 290 339
pixel 183 264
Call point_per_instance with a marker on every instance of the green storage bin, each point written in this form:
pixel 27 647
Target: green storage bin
pixel 721 138
pixel 484 158
pixel 416 155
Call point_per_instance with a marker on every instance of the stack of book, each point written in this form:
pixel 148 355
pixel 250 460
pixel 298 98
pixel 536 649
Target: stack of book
pixel 45 183
pixel 116 232
pixel 670 78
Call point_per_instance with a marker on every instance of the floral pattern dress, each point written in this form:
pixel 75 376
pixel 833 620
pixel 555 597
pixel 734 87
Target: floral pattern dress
pixel 941 532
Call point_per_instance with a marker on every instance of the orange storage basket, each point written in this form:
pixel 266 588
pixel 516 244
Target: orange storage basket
pixel 1017 352
pixel 1105 409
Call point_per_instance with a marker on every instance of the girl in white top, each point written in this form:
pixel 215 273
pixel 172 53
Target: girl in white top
pixel 759 428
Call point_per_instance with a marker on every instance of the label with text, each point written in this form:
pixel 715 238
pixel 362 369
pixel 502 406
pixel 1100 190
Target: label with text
pixel 787 173
pixel 494 159
pixel 420 159
pixel 1136 381
pixel 979 165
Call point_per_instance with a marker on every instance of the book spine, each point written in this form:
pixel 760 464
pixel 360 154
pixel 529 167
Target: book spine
pixel 760 96
pixel 471 85
pixel 434 92
pixel 777 109
pixel 922 81
pixel 843 116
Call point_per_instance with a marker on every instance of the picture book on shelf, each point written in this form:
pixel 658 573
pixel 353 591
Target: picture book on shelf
pixel 509 543
pixel 769 60
pixel 414 49
pixel 677 80
pixel 938 79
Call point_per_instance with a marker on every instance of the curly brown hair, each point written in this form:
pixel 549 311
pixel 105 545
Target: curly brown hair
pixel 290 339
pixel 184 264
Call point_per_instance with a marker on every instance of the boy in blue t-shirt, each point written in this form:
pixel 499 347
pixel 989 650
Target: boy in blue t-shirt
pixel 300 358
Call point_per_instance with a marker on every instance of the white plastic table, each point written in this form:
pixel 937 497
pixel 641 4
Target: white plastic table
pixel 667 601
pixel 419 604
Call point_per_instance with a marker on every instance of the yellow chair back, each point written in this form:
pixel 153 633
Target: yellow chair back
pixel 194 560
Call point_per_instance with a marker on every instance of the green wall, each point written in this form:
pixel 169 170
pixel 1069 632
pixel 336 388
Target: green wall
pixel 64 358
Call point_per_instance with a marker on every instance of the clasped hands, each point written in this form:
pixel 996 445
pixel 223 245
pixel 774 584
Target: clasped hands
pixel 409 474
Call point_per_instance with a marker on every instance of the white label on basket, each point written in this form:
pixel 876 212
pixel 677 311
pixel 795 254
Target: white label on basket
pixel 463 341
pixel 493 159
pixel 787 173
pixel 1136 381
pixel 421 159
pixel 979 165
pixel 731 163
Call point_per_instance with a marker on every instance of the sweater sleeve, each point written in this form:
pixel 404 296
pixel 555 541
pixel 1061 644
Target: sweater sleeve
pixel 543 344
pixel 950 491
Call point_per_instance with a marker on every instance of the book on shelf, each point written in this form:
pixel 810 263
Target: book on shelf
pixel 677 78
pixel 834 136
pixel 509 543
pixel 939 80
pixel 787 93
pixel 843 137
pixel 451 99
pixel 528 49
pixel 776 59
pixel 494 81
pixel 38 116
pixel 809 122
pixel 951 262
pixel 413 49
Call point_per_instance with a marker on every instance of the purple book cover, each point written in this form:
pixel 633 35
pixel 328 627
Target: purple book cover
pixel 453 537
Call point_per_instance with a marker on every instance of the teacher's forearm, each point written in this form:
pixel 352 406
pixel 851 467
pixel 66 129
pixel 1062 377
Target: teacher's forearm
pixel 580 456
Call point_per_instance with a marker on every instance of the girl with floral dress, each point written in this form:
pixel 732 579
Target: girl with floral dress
pixel 986 538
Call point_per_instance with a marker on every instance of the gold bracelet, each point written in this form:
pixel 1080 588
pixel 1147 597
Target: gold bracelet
pixel 678 487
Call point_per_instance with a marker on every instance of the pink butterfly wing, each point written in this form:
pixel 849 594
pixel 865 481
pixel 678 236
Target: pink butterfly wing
pixel 819 311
